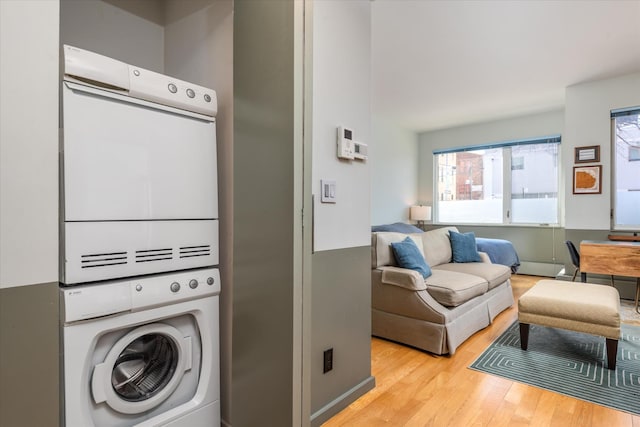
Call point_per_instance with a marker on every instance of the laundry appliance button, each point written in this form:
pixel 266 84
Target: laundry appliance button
pixel 138 287
pixel 172 88
pixel 210 281
pixel 175 287
pixel 191 93
pixel 207 98
pixel 193 283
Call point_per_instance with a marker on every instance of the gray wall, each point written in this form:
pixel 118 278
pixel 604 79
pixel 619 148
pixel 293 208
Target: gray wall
pixel 341 319
pixel 394 172
pixel 29 345
pixel 100 27
pixel 29 358
pixel 263 200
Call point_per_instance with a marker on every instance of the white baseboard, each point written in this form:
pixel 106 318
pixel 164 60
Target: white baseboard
pixel 342 401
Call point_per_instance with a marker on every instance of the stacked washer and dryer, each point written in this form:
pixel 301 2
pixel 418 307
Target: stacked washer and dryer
pixel 139 247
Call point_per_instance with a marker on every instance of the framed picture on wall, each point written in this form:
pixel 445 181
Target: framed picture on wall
pixel 590 154
pixel 587 179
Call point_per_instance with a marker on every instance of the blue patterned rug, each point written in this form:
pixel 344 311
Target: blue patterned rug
pixel 569 363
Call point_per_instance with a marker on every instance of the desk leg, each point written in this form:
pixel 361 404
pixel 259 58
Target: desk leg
pixel 583 277
pixel 637 293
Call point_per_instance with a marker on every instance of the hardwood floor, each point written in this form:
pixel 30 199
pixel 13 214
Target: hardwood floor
pixel 415 388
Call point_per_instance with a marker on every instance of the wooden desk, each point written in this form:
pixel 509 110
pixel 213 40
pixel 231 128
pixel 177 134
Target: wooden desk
pixel 624 238
pixel 611 258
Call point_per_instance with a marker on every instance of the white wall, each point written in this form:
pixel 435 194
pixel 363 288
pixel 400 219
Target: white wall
pixel 588 122
pixel 394 172
pixel 341 96
pixel 28 142
pixel 530 126
pixel 108 30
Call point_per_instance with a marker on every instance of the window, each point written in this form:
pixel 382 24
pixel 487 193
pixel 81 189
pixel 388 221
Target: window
pixel 625 136
pixel 472 183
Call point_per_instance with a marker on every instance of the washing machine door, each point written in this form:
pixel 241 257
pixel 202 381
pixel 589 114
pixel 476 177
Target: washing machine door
pixel 142 369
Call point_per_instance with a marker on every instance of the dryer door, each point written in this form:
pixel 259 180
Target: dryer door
pixel 128 159
pixel 142 369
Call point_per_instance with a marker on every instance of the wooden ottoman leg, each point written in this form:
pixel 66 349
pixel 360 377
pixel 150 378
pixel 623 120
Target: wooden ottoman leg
pixel 612 353
pixel 524 336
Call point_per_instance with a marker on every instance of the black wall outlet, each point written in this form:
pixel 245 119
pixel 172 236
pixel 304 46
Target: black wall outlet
pixel 327 361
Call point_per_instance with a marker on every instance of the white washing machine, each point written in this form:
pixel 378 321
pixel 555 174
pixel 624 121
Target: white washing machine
pixel 142 351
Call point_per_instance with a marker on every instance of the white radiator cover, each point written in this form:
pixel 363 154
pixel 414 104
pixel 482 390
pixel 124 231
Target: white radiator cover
pixel 539 268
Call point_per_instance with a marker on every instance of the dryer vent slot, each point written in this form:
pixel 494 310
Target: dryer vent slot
pixel 103 260
pixel 191 251
pixel 149 255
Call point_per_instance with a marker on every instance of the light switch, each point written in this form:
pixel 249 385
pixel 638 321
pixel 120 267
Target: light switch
pixel 328 191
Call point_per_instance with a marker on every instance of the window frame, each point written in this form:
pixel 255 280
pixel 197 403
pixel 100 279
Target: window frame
pixel 507 207
pixel 630 111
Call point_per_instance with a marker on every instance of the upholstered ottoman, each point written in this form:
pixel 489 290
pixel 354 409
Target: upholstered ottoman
pixel 580 307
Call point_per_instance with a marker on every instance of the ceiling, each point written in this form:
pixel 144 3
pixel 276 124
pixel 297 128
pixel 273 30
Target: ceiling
pixel 439 64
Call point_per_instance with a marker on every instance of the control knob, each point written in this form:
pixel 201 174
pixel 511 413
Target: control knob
pixel 175 287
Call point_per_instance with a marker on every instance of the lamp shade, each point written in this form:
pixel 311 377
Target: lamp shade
pixel 420 213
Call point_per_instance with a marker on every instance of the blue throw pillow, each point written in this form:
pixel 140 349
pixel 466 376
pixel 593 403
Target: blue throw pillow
pixel 408 256
pixel 463 247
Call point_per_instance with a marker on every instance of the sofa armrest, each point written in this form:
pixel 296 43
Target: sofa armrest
pixel 403 277
pixel 485 257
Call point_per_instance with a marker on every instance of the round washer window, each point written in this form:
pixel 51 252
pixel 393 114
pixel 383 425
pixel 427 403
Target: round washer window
pixel 144 367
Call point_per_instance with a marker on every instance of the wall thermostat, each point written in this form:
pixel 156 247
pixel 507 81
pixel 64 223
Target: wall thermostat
pixel 345 143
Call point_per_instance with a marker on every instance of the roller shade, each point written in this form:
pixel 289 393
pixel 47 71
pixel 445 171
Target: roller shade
pixel 552 139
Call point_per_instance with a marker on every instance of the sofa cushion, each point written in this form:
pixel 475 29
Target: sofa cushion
pixel 494 274
pixel 451 288
pixel 437 248
pixel 381 253
pixel 463 247
pixel 409 256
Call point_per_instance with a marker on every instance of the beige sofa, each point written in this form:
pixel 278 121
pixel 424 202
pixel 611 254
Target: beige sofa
pixel 440 312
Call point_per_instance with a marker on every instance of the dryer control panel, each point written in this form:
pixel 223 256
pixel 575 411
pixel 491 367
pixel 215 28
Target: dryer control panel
pixel 108 73
pixel 107 298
